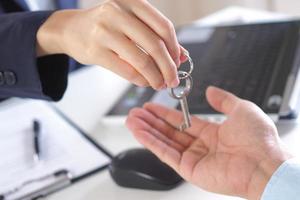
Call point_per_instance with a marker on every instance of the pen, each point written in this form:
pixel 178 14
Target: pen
pixel 36 140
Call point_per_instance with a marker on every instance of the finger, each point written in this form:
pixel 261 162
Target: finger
pixel 139 123
pixel 142 62
pixel 115 64
pixel 159 24
pixel 175 118
pixel 142 35
pixel 163 127
pixel 163 151
pixel 221 100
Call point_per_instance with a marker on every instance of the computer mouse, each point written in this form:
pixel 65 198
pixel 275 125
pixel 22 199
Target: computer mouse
pixel 139 168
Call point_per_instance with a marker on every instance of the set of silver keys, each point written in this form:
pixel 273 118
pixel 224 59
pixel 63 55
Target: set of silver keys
pixel 182 91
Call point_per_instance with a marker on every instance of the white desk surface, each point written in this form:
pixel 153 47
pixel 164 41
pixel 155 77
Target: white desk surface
pixel 92 91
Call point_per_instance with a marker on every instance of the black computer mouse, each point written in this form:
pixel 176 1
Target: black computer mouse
pixel 139 168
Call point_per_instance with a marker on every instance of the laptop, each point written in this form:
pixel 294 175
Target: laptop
pixel 258 62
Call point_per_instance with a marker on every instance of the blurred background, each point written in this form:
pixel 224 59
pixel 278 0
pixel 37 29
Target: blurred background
pixel 185 11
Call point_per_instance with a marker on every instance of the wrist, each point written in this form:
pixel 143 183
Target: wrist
pixel 50 35
pixel 263 173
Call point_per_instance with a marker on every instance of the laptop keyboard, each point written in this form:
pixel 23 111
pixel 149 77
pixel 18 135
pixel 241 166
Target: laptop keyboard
pixel 243 60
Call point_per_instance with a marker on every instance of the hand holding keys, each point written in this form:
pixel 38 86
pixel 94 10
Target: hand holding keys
pixel 182 91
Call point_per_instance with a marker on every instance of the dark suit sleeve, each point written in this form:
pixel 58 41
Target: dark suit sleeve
pixel 22 74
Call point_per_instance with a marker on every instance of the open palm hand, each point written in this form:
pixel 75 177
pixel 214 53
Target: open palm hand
pixel 236 157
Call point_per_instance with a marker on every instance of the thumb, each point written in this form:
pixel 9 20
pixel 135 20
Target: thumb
pixel 221 100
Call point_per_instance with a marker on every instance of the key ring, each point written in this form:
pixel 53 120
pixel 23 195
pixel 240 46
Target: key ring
pixel 182 75
pixel 187 54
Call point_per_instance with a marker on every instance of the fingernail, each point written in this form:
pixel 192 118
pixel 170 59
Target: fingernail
pixel 175 83
pixel 183 58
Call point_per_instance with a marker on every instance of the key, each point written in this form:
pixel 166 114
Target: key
pixel 181 94
pixel 186 114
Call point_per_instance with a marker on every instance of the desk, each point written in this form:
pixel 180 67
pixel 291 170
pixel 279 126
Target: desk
pixel 92 91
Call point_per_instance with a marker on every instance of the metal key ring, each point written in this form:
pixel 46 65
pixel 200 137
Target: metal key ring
pixel 187 54
pixel 188 85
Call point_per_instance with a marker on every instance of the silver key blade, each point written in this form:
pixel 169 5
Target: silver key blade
pixel 186 114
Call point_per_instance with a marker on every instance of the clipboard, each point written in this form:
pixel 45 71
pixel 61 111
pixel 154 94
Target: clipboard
pixel 52 180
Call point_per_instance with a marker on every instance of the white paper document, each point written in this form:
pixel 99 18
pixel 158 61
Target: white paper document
pixel 62 147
